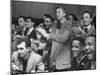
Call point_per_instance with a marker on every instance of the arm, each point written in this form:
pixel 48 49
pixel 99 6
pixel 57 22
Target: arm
pixel 14 59
pixel 61 37
pixel 39 65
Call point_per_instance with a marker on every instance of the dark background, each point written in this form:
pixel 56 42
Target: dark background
pixel 38 9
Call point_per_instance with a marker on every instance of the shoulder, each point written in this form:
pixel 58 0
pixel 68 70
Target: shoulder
pixel 36 56
pixel 67 25
pixel 15 55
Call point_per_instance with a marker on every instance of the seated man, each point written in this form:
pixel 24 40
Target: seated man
pixel 25 60
pixel 77 46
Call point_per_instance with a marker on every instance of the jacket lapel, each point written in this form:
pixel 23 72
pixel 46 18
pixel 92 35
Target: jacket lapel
pixel 30 62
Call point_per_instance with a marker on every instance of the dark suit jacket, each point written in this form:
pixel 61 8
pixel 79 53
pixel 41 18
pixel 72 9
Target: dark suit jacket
pixel 91 31
pixel 31 35
pixel 60 51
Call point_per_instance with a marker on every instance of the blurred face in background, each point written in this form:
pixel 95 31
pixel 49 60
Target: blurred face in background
pixel 60 13
pixel 87 19
pixel 21 22
pixel 76 48
pixel 47 22
pixel 29 23
pixel 70 19
pixel 81 22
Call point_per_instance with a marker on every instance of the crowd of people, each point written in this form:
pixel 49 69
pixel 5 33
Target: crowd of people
pixel 53 45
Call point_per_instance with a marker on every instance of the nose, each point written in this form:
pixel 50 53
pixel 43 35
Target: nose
pixel 87 47
pixel 19 50
pixel 73 49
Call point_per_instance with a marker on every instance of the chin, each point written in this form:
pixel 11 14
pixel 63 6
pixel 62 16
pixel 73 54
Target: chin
pixel 22 56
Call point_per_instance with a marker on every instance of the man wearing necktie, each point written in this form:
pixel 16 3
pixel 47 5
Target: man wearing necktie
pixel 88 27
pixel 60 51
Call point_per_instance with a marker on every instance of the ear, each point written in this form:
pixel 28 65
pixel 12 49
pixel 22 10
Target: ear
pixel 28 49
pixel 64 14
pixel 91 19
pixel 33 23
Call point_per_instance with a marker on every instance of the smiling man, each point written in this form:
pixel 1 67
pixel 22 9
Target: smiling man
pixel 77 49
pixel 60 51
pixel 25 60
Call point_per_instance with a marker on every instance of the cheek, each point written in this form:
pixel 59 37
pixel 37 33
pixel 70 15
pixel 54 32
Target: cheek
pixel 92 47
pixel 58 14
pixel 45 23
pixel 87 21
pixel 25 52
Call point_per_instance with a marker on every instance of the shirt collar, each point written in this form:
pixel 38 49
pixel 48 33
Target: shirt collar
pixel 89 26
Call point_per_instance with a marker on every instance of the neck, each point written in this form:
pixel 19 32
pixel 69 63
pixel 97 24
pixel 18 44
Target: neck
pixel 26 57
pixel 87 25
pixel 62 20
pixel 31 27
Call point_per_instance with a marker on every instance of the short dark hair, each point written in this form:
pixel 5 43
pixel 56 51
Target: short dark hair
pixel 86 11
pixel 31 18
pixel 24 18
pixel 50 17
pixel 79 39
pixel 91 35
pixel 20 40
pixel 74 16
pixel 46 15
pixel 62 9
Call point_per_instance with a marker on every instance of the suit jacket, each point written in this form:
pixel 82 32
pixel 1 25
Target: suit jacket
pixel 34 62
pixel 60 51
pixel 90 31
pixel 32 34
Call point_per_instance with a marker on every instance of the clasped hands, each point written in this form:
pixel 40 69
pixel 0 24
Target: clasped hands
pixel 42 32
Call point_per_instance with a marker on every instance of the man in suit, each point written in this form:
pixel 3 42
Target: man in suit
pixel 26 60
pixel 30 30
pixel 21 21
pixel 87 26
pixel 60 51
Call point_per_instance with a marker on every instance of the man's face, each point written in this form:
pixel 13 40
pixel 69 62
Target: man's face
pixel 60 13
pixel 47 22
pixel 21 22
pixel 22 49
pixel 70 18
pixel 81 22
pixel 76 48
pixel 87 19
pixel 29 23
pixel 90 45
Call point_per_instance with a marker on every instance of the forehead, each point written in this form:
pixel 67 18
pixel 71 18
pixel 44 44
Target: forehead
pixel 28 20
pixel 70 16
pixel 21 45
pixel 90 39
pixel 47 19
pixel 86 14
pixel 75 42
pixel 21 18
pixel 60 9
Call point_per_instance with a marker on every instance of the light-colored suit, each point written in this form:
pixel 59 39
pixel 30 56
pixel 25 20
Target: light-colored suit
pixel 60 52
pixel 33 62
